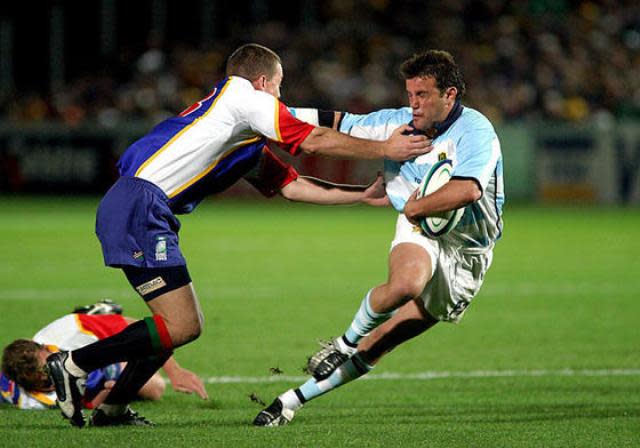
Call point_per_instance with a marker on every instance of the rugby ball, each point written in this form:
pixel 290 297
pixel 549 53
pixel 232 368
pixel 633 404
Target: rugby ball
pixel 442 223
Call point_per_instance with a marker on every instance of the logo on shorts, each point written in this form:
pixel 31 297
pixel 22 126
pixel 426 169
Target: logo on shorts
pixel 138 255
pixel 150 286
pixel 442 156
pixel 161 248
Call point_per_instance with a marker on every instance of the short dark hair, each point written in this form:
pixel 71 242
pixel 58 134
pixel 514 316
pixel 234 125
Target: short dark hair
pixel 252 60
pixel 437 64
pixel 20 363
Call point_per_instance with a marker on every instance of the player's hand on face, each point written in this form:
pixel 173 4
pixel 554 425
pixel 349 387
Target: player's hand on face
pixel 412 209
pixel 376 194
pixel 402 145
pixel 188 382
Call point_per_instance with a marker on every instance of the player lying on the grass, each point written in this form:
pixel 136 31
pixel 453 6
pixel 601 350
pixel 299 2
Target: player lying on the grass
pixel 430 280
pixel 25 384
pixel 202 151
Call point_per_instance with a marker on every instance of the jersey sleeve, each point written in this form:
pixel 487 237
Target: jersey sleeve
pixel 270 117
pixel 478 152
pixel 271 174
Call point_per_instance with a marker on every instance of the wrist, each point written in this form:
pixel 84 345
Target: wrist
pixel 385 150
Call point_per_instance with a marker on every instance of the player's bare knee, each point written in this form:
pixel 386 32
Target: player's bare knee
pixel 196 331
pixel 185 335
pixel 404 290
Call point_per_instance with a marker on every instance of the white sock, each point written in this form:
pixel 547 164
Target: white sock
pixel 344 348
pixel 290 400
pixel 72 368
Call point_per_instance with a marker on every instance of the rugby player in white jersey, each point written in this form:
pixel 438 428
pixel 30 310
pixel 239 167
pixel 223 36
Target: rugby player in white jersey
pixel 202 151
pixel 24 383
pixel 430 280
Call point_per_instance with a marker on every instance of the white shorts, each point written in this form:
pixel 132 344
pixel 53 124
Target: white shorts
pixel 457 273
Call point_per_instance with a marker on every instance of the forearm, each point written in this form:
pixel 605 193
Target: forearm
pixel 330 143
pixel 171 366
pixel 453 195
pixel 322 193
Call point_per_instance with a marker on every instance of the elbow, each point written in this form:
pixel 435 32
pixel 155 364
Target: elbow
pixel 309 149
pixel 475 193
pixel 290 191
pixel 312 145
pixel 153 389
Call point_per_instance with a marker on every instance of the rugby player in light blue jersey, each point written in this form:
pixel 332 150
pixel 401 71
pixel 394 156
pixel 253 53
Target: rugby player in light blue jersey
pixel 430 280
pixel 202 151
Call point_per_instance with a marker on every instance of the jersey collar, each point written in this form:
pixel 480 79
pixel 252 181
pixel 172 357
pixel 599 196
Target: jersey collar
pixel 440 128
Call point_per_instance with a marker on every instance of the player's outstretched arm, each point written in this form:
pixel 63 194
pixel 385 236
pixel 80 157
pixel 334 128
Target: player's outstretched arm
pixel 400 146
pixel 318 191
pixel 183 380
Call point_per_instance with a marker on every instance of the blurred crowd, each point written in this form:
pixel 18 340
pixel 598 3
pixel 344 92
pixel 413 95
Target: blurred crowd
pixel 522 60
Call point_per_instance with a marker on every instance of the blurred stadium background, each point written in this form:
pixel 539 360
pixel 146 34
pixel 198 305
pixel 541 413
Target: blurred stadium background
pixel 558 78
pixel 550 355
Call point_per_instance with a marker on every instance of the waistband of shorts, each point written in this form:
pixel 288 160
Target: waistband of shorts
pixel 147 185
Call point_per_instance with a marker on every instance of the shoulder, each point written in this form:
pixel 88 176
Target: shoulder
pixel 49 334
pixel 242 97
pixel 474 119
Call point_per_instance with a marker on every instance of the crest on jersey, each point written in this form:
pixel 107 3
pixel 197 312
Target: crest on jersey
pixel 161 248
pixel 442 156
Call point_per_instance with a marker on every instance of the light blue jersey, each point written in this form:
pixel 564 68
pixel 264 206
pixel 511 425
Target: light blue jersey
pixel 472 145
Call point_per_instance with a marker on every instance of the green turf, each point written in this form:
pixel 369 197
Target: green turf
pixel 559 310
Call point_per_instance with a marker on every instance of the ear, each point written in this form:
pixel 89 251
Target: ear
pixel 451 93
pixel 260 83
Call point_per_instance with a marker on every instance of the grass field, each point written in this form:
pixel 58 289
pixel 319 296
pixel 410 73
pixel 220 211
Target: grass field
pixel 548 355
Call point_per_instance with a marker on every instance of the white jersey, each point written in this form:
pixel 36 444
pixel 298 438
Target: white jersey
pixel 66 333
pixel 209 146
pixel 70 332
pixel 471 143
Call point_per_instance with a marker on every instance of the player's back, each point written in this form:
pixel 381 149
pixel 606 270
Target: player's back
pixel 182 148
pixel 73 331
pixel 212 144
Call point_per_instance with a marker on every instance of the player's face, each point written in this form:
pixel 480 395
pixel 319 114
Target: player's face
pixel 428 104
pixel 272 86
pixel 42 355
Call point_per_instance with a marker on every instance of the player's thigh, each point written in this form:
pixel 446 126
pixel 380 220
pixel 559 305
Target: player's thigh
pixel 410 268
pixel 412 259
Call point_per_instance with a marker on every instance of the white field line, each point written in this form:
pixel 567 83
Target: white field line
pixel 495 289
pixel 390 376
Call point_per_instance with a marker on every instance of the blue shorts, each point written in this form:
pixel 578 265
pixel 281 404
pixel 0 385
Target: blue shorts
pixel 136 227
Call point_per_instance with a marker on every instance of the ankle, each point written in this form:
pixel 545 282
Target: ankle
pixel 345 346
pixel 73 368
pixel 113 410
